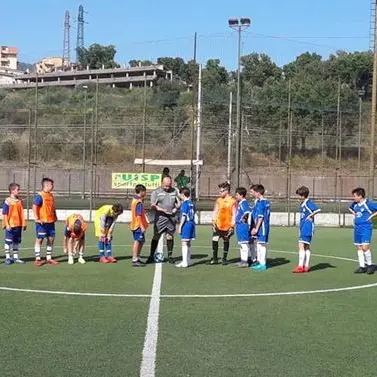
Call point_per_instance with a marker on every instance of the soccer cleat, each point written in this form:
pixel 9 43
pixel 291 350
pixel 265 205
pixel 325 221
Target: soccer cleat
pixel 259 267
pixel 371 269
pixel 224 262
pixel 181 265
pixel 213 261
pixel 104 260
pixel 81 260
pixel 171 260
pixel 8 261
pixel 52 262
pixel 298 270
pixel 254 263
pixel 360 270
pixel 138 264
pixel 19 261
pixel 111 260
pixel 38 263
pixel 70 260
pixel 306 268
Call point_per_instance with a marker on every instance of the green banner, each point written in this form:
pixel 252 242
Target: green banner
pixel 130 180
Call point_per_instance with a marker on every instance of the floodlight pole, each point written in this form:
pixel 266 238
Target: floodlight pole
pixel 373 113
pixel 361 93
pixel 239 25
pixel 84 142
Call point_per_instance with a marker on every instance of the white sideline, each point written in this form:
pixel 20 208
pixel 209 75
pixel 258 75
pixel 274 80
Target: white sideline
pixel 148 363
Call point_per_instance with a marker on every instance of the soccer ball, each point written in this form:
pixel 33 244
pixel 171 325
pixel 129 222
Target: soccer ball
pixel 158 257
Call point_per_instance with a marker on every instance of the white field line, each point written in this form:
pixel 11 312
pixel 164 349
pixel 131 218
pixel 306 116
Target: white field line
pixel 148 363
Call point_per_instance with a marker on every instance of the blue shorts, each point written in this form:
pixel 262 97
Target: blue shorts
pixel 188 231
pixel 305 239
pixel 138 235
pixel 362 234
pixel 14 235
pixel 45 230
pixel 262 238
pixel 243 233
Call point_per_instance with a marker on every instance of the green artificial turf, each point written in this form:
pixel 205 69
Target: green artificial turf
pixel 322 334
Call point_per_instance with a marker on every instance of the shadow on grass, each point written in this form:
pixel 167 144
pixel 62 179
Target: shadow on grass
pixel 276 262
pixel 321 266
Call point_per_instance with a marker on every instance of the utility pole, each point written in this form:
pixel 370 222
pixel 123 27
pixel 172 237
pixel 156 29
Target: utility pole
pixel 230 136
pixel 193 122
pixel 373 110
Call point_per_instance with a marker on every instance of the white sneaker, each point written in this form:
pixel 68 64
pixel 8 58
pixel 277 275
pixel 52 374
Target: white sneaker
pixel 81 260
pixel 70 260
pixel 181 265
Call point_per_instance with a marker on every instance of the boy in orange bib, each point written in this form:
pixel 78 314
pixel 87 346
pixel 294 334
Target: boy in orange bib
pixel 45 219
pixel 13 223
pixel 74 237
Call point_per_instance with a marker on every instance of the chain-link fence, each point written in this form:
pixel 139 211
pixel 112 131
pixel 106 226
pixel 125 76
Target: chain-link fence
pixel 79 137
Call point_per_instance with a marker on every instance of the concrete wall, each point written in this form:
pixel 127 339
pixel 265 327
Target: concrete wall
pixel 205 218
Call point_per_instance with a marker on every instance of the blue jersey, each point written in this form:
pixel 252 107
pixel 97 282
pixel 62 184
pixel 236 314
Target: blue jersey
pixel 188 211
pixel 262 211
pixel 243 212
pixel 307 208
pixel 363 211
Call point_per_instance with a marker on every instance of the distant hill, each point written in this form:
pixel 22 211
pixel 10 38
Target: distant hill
pixel 24 66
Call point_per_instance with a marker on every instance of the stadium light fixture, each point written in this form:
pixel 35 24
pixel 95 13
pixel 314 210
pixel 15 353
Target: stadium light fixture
pixel 245 21
pixel 233 22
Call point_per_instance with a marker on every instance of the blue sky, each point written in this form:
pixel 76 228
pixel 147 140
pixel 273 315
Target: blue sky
pixel 143 30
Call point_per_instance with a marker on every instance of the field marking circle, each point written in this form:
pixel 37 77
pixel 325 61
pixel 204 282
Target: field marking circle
pixel 235 295
pixel 210 248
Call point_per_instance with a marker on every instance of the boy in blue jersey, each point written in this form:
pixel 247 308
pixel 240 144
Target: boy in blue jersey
pixel 261 230
pixel 187 226
pixel 243 216
pixel 363 210
pixel 307 212
pixel 253 260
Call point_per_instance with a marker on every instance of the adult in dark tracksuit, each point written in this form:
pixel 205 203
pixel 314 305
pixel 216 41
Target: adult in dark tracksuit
pixel 165 202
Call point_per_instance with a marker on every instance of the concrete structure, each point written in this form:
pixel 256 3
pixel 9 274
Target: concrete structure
pixel 8 57
pixel 9 76
pixel 48 65
pixel 116 77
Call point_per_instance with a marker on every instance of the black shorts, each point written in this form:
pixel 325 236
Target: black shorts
pixel 224 234
pixel 165 224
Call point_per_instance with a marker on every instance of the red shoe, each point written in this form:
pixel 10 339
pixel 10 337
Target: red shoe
pixel 103 260
pixel 52 262
pixel 38 263
pixel 298 270
pixel 306 269
pixel 111 260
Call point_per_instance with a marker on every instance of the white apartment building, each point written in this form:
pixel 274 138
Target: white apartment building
pixel 8 57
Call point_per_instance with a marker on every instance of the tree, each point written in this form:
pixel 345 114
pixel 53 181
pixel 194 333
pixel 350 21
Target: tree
pixel 307 63
pixel 176 65
pixel 190 72
pixel 258 68
pixel 354 68
pixel 167 93
pixel 140 63
pixel 97 56
pixel 214 74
